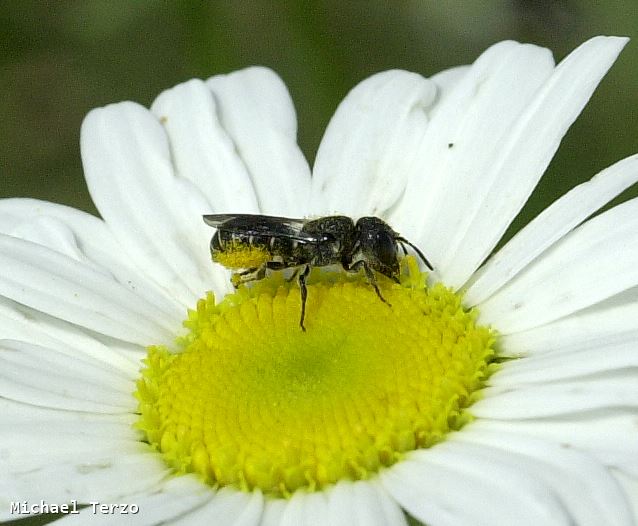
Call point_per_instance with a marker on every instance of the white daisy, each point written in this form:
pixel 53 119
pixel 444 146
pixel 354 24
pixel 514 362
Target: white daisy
pixel 519 411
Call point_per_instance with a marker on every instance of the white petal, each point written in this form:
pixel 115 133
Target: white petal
pixel 588 328
pixel 370 144
pixel 362 503
pixel 257 112
pixel 40 376
pixel 446 81
pixel 84 238
pixel 40 437
pixel 155 216
pixel 550 226
pixel 553 367
pixel 24 413
pixel 630 487
pixel 109 479
pixel 375 506
pixel 592 263
pixel 228 507
pixel 455 167
pixel 67 289
pixel 507 118
pixel 585 487
pixel 22 323
pixel 305 509
pixel 172 499
pixel 565 398
pixel 343 505
pixel 28 219
pixel 29 354
pixel 609 436
pixel 456 484
pixel 415 488
pixel 201 149
pixel 273 512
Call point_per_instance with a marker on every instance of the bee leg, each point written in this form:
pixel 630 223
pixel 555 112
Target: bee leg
pixel 247 271
pixel 293 275
pixel 246 276
pixel 242 277
pixel 370 275
pixel 304 294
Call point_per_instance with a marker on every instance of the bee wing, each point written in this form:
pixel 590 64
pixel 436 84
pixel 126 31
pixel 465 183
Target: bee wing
pixel 256 224
pixel 216 220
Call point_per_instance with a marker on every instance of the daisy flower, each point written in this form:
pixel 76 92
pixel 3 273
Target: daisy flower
pixel 139 387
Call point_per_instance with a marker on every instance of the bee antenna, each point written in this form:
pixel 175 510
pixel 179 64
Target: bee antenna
pixel 416 249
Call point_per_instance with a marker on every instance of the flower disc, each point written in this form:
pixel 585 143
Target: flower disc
pixel 253 401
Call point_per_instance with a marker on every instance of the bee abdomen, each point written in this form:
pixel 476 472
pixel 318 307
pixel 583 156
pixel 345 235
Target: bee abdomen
pixel 239 252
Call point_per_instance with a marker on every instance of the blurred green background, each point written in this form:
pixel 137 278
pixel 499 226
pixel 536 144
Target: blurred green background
pixel 62 58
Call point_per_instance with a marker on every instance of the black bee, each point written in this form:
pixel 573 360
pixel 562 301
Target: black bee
pixel 252 244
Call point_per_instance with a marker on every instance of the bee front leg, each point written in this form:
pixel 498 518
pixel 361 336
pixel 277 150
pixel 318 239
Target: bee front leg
pixel 240 277
pixel 256 273
pixel 248 275
pixel 304 294
pixel 370 275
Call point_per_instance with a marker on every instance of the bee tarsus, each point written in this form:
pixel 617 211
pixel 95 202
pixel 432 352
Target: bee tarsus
pixel 304 294
pixel 371 278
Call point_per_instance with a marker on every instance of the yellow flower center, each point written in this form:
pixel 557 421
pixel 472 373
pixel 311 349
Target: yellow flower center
pixel 252 401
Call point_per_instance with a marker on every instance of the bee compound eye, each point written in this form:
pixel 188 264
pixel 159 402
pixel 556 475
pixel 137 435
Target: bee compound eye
pixel 385 249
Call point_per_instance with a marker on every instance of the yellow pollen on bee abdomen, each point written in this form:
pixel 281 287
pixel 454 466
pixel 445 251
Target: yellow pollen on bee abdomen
pixel 238 255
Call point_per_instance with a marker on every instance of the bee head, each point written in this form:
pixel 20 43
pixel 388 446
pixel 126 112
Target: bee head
pixel 378 246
